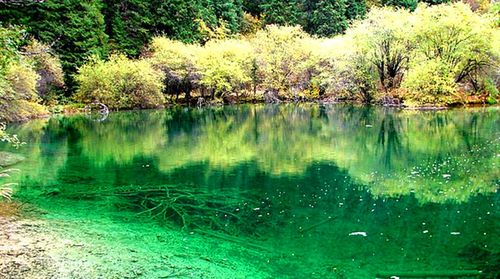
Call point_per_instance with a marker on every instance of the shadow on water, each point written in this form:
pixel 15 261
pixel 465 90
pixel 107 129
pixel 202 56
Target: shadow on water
pixel 336 191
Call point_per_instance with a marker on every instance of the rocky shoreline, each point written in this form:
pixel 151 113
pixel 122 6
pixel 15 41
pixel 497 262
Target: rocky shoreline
pixel 58 246
pixel 23 249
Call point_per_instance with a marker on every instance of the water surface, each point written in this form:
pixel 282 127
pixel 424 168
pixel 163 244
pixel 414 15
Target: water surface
pixel 316 191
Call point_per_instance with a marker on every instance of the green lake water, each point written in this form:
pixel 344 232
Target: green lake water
pixel 288 191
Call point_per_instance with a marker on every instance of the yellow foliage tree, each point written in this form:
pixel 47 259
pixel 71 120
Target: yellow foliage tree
pixel 120 83
pixel 225 66
pixel 177 61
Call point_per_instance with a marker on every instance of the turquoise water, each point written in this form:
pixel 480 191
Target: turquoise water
pixel 318 191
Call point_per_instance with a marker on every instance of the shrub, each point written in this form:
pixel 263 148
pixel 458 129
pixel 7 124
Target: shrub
pixel 177 61
pixel 18 99
pixel 455 44
pixel 250 24
pixel 494 14
pixel 120 83
pixel 18 79
pixel 385 39
pixel 49 69
pixel 6 189
pixel 22 79
pixel 283 55
pixel 352 75
pixel 491 91
pixel 430 82
pixel 225 66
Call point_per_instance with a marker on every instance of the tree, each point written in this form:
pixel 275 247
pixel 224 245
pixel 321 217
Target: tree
pixel 177 61
pixel 230 11
pixel 326 17
pixel 177 19
pixel 454 47
pixel 120 83
pixel 75 29
pixel 18 78
pixel 225 66
pixel 355 9
pixel 282 12
pixel 128 24
pixel 407 4
pixel 283 56
pixel 385 37
pixel 253 7
pixel 49 69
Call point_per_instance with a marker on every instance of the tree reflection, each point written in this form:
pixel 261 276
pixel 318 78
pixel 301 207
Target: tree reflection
pixel 389 139
pixel 438 156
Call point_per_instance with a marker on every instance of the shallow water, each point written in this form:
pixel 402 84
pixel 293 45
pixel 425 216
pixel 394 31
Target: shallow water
pixel 315 191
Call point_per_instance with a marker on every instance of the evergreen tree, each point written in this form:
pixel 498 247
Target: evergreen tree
pixel 128 24
pixel 253 7
pixel 411 4
pixel 326 17
pixel 355 9
pixel 407 4
pixel 282 12
pixel 231 11
pixel 435 2
pixel 177 19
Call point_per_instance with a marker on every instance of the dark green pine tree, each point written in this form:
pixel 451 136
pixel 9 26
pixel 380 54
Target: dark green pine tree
pixel 176 19
pixel 355 9
pixel 128 25
pixel 253 7
pixel 411 4
pixel 282 12
pixel 326 17
pixel 407 4
pixel 231 11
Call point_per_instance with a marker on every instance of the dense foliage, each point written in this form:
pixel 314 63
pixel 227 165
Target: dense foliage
pixel 74 28
pixel 78 29
pixel 6 188
pixel 28 73
pixel 435 55
pixel 120 83
pixel 266 49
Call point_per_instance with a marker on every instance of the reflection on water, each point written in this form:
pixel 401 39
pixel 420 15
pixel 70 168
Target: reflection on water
pixel 340 190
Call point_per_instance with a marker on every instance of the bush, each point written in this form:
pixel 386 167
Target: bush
pixel 491 91
pixel 225 66
pixel 120 83
pixel 454 44
pixel 438 54
pixel 283 56
pixel 19 77
pixel 22 79
pixel 177 61
pixel 49 69
pixel 430 82
pixel 18 98
pixel 434 53
pixel 385 39
pixel 345 72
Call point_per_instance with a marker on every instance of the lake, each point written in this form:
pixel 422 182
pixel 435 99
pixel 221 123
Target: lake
pixel 274 191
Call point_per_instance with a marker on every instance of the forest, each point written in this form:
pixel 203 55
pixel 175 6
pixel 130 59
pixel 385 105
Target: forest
pixel 58 56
